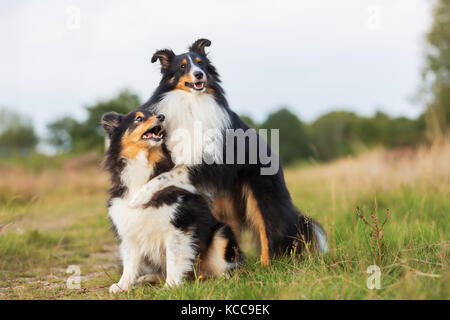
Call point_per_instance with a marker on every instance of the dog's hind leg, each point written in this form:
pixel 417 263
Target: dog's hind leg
pixel 223 253
pixel 256 221
pixel 271 214
pixel 226 210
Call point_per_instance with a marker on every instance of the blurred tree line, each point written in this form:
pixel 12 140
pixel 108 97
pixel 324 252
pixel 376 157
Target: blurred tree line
pixel 339 133
pixel 70 135
pixel 17 134
pixel 332 135
pixel 436 73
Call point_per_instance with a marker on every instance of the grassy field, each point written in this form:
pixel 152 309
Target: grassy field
pixel 53 218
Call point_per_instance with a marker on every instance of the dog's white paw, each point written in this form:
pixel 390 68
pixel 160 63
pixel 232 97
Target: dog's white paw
pixel 114 289
pixel 141 197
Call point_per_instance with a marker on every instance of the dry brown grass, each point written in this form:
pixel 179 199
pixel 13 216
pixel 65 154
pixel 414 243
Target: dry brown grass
pixel 21 182
pixel 48 198
pixel 427 169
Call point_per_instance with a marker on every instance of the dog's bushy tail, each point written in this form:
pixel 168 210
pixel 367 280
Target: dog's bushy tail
pixel 311 235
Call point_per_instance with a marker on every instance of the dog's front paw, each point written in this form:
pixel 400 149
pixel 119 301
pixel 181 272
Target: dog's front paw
pixel 114 289
pixel 141 197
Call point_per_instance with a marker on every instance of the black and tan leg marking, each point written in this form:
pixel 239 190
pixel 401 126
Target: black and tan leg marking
pixel 225 209
pixel 256 221
pixel 222 255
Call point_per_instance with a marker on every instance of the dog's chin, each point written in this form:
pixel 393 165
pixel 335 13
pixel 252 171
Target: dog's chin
pixel 196 87
pixel 154 143
pixel 197 91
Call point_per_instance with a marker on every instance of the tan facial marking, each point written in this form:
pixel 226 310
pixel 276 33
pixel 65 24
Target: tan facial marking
pixel 139 114
pixel 208 90
pixel 182 82
pixel 132 143
pixel 155 155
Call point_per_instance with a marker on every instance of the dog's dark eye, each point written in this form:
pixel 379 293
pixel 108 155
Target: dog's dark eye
pixel 139 119
pixel 200 63
pixel 183 66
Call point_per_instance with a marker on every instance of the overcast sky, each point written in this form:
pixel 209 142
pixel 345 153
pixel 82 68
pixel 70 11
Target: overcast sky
pixel 313 55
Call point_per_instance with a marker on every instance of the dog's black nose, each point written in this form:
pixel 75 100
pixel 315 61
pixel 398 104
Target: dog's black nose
pixel 160 117
pixel 198 75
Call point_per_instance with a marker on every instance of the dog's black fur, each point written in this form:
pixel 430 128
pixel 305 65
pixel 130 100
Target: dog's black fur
pixel 190 212
pixel 284 226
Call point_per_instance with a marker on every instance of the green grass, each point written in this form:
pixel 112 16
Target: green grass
pixel 66 226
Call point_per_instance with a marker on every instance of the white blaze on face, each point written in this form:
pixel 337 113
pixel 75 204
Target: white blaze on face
pixel 198 84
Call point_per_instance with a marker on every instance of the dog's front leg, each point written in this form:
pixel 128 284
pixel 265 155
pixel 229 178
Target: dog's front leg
pixel 180 254
pixel 130 259
pixel 178 176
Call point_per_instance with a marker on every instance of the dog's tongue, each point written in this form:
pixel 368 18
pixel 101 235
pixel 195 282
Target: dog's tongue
pixel 148 135
pixel 198 85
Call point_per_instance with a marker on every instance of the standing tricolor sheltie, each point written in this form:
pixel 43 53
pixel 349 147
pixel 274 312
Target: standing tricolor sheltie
pixel 190 95
pixel 174 228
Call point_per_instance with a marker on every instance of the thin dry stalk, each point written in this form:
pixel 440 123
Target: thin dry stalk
pixel 376 232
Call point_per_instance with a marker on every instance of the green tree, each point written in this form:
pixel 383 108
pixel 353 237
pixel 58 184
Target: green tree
pixel 400 132
pixel 294 141
pixel 340 133
pixel 437 70
pixel 17 134
pixel 61 132
pixel 68 134
pixel 390 132
pixel 334 134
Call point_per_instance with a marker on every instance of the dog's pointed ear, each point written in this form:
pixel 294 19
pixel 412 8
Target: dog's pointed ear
pixel 199 46
pixel 165 57
pixel 110 121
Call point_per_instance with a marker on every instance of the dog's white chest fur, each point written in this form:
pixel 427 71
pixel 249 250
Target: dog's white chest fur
pixel 136 173
pixel 146 229
pixel 195 125
pixel 148 232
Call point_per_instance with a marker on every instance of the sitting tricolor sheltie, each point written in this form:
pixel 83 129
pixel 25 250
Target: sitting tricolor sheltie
pixel 175 228
pixel 190 94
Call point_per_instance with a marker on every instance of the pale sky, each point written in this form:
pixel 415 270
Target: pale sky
pixel 313 55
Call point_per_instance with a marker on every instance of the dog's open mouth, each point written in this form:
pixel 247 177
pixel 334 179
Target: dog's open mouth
pixel 199 85
pixel 156 134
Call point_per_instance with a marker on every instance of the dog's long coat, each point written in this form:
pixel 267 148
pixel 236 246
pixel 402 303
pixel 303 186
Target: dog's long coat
pixel 175 227
pixel 190 93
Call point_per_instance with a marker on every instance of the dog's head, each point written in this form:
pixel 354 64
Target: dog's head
pixel 134 132
pixel 191 71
